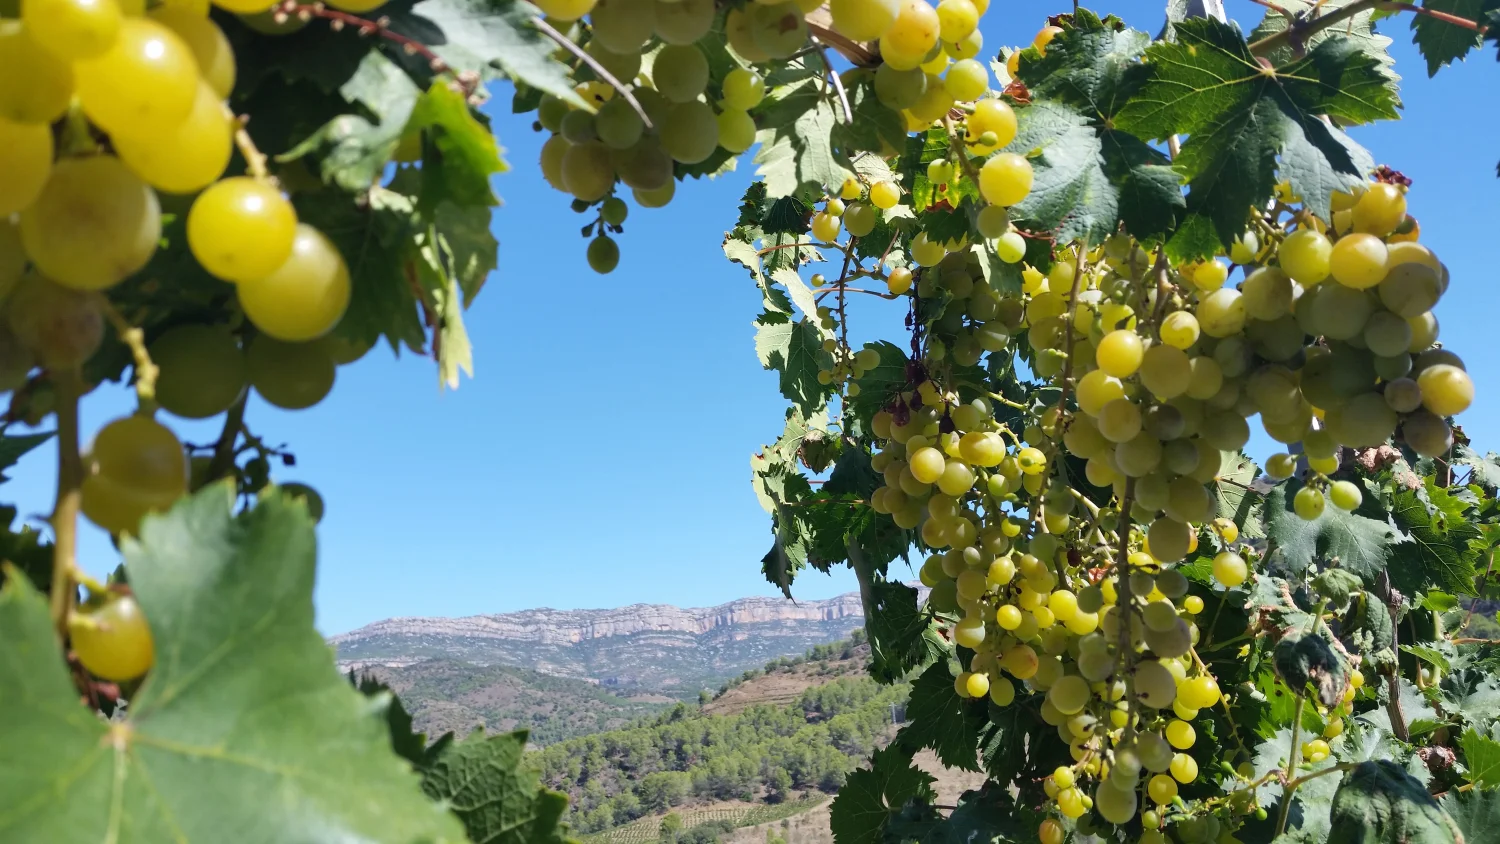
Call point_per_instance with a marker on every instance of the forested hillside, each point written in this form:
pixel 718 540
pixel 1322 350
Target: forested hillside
pixel 769 753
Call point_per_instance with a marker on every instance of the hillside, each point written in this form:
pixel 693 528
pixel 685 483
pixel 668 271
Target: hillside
pixel 444 695
pixel 646 647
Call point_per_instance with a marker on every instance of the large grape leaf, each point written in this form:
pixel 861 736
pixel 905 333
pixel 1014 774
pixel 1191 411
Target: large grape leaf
pixel 796 140
pixel 795 350
pixel 1380 801
pixel 871 796
pixel 243 725
pixel 1443 43
pixel 498 37
pixel 1240 116
pixel 1362 541
pixel 1475 813
pixel 942 720
pixel 1092 64
pixel 1359 29
pixel 1438 553
pixel 500 798
pixel 1482 758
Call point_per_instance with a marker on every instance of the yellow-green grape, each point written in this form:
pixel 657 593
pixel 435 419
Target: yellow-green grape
pixel 1179 329
pixel 740 35
pixel 73 29
pixel 991 116
pixel 926 252
pixel 969 632
pixel 689 132
pixel 884 195
pixel 864 20
pixel 1031 460
pixel 1008 617
pixel 1447 390
pixel 966 79
pixel 1097 389
pixel 1120 353
pixel 201 370
pixel 145 82
pixel 743 89
pixel 566 10
pixel 1308 503
pixel 1119 420
pixel 1245 248
pixel 1005 179
pixel 93 224
pixel 899 281
pixel 306 296
pixel 1050 831
pixel 207 42
pixel 993 222
pixel 186 158
pixel 1070 802
pixel 113 641
pixel 1221 313
pixel 1002 691
pixel 956 19
pixel 36 84
pixel 1168 539
pixel 1184 768
pixel 1210 275
pixel 1380 209
pixel 291 376
pixel 603 255
pixel 1230 569
pixel 25 162
pixel 915 29
pixel 1069 694
pixel 1315 750
pixel 1358 260
pixel 1010 246
pixel 1116 805
pixel 1281 466
pixel 1304 255
pixel 825 227
pixel 977 685
pixel 136 466
pixel 860 219
pixel 1267 293
pixel 1162 788
pixel 927 464
pixel 1181 735
pixel 1345 495
pixel 241 229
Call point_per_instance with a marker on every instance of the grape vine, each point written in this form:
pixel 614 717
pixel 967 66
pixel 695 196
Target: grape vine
pixel 1114 254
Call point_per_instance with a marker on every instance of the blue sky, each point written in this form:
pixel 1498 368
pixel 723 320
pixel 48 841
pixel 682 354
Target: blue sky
pixel 600 457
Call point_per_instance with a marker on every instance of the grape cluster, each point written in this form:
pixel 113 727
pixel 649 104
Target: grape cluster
pixel 928 67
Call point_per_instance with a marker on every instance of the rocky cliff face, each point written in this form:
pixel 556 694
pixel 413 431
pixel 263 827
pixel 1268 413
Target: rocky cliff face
pixel 647 646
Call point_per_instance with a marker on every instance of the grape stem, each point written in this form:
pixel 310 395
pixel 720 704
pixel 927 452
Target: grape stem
pixel 957 148
pixel 1298 31
pixel 1291 767
pixel 69 385
pixel 255 160
pixel 838 84
pixel 1124 600
pixel 608 78
pixel 234 422
pixel 145 371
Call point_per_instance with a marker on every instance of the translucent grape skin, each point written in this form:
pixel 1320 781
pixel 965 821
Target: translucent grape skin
pixel 305 297
pixel 690 132
pixel 94 223
pixel 36 85
pixel 203 37
pixel 137 466
pixel 25 163
pixel 113 642
pixel 188 157
pixel 291 376
pixel 201 370
pixel 864 20
pixel 1005 179
pixel 241 229
pixel 145 83
pixel 73 29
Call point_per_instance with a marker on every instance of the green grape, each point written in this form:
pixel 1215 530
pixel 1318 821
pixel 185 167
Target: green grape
pixel 1380 209
pixel 113 641
pixel 1308 503
pixel 991 116
pixel 1225 430
pixel 1005 179
pixel 655 197
pixel 884 195
pixel 1245 248
pixel 1403 395
pixel 36 85
pixel 562 10
pixel 825 227
pixel 306 296
pixel 915 30
pixel 588 171
pixel 61 326
pixel 779 29
pixel 241 229
pixel 927 464
pixel 551 162
pixel 624 67
pixel 690 132
pixel 186 158
pixel 736 131
pixel 73 29
pixel 935 102
pixel 1069 694
pixel 25 163
pixel 614 211
pixel 1267 293
pixel 1010 247
pixel 646 166
pixel 1358 261
pixel 308 496
pixel 203 37
pixel 1447 390
pixel 1410 289
pixel 956 19
pixel 617 125
pixel 1096 389
pixel 743 89
pixel 1120 353
pixel 1304 255
pixel 993 222
pixel 741 37
pixel 1179 329
pixel 680 72
pixel 1119 420
pixel 201 371
pixel 1157 688
pixel 623 26
pixel 578 127
pixel 603 254
pixel 1172 642
pixel 860 219
pixel 1189 501
pixel 899 89
pixel 291 376
pixel 1116 805
pixel 1427 434
pixel 967 79
pixel 1168 539
pixel 967 47
pixel 1387 335
pixel 145 82
pixel 1364 421
pixel 1166 371
pixel 926 253
pixel 864 20
pixel 1139 455
pixel 1275 392
pixel 1424 331
pixel 94 223
pixel 1338 312
pixel 136 466
pixel 1221 313
pixel 1210 275
pixel 1230 569
pixel 1345 495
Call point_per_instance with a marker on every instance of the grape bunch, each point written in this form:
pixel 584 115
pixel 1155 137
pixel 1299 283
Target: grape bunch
pixel 680 111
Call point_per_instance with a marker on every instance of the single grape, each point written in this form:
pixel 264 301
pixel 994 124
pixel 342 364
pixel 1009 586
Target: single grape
pixel 899 281
pixel 1120 353
pixel 680 72
pixel 291 376
pixel 136 466
pixel 25 163
pixel 689 132
pixel 188 157
pixel 1005 179
pixel 1304 255
pixel 884 195
pixel 241 229
pixel 779 30
pixel 94 223
pixel 144 83
pixel 306 296
pixel 736 130
pixel 36 84
pixel 1380 209
pixel 73 29
pixel 860 219
pixel 112 641
pixel 1358 261
pixel 991 116
pixel 743 89
pixel 202 370
pixel 899 89
pixel 1179 329
pixel 1308 503
pixel 603 254
pixel 915 29
pixel 655 197
pixel 588 171
pixel 741 38
pixel 60 326
pixel 203 37
pixel 1221 313
pixel 1210 275
pixel 623 26
pixel 1157 688
pixel 825 227
pixel 1447 390
pixel 864 20
pixel 967 79
pixel 1267 293
pixel 1345 495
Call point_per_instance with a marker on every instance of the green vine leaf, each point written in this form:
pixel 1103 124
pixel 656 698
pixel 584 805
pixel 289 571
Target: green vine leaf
pixel 1443 43
pixel 796 140
pixel 498 38
pixel 243 700
pixel 1092 64
pixel 1241 116
pixel 15 446
pixel 1438 553
pixel 942 720
pixel 1476 814
pixel 795 350
pixel 1358 540
pixel 1381 801
pixel 871 796
pixel 486 781
pixel 1482 758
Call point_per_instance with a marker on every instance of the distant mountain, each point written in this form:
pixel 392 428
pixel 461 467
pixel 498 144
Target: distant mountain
pixel 443 695
pixel 639 648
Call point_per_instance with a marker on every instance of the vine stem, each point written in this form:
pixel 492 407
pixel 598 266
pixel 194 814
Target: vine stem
pixel 65 512
pixel 956 147
pixel 838 84
pixel 380 26
pixel 145 370
pixel 1435 14
pixel 1298 31
pixel 609 78
pixel 1123 598
pixel 234 422
pixel 852 50
pixel 255 160
pixel 1291 767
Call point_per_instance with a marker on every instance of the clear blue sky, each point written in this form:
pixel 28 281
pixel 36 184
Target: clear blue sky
pixel 601 455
